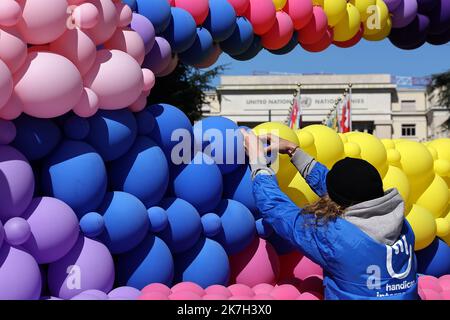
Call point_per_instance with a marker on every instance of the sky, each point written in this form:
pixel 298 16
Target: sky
pixel 365 57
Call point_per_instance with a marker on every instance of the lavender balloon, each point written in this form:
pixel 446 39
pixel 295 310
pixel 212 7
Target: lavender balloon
pixel 47 243
pixel 159 57
pixel 145 29
pixel 20 277
pixel 7 131
pixel 392 4
pixel 92 268
pixel 440 17
pixel 124 293
pixel 17 231
pixel 16 183
pixel 404 14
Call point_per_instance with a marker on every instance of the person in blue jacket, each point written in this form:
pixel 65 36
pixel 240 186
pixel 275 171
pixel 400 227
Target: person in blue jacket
pixel 356 231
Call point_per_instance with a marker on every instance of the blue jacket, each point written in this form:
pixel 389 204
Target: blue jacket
pixel 356 266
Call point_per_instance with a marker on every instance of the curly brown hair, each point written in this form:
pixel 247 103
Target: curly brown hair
pixel 324 209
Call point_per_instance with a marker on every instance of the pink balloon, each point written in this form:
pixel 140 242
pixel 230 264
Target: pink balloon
pixel 444 282
pixel 212 59
pixel 76 46
pixel 107 21
pixel 12 109
pixel 258 263
pixel 88 104
pixel 262 288
pixel 48 85
pixel 128 41
pixel 263 296
pixel 241 290
pixel 430 282
pixel 85 16
pixel 170 67
pixel 10 13
pixel 239 6
pixel 188 287
pixel 445 294
pixel 239 298
pixel 157 287
pixel 214 297
pixel 285 292
pixel 216 289
pixel 261 14
pixel 125 14
pixel 13 50
pixel 300 11
pixel 140 103
pixel 307 296
pixel 42 21
pixel 427 294
pixel 184 296
pixel 153 296
pixel 280 34
pixel 6 84
pixel 149 79
pixel 322 44
pixel 306 268
pixel 315 29
pixel 116 78
pixel 199 9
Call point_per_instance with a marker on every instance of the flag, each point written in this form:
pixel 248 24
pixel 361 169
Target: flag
pixel 294 115
pixel 345 116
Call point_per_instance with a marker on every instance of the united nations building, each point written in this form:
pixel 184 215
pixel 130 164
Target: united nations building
pixel 381 104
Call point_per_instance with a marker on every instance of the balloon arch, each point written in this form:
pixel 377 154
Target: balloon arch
pixel 77 141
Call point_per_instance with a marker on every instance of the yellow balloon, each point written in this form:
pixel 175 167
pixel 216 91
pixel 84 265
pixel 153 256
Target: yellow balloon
pixel 279 4
pixel 335 10
pixel 442 146
pixel 305 138
pixel 435 198
pixel 395 178
pixel 343 137
pixel 318 3
pixel 363 7
pixel 442 167
pixel 349 25
pixel 299 191
pixel 372 150
pixel 442 227
pixel 388 143
pixel 433 151
pixel 424 226
pixel 328 147
pixel 377 17
pixel 380 35
pixel 393 156
pixel 352 150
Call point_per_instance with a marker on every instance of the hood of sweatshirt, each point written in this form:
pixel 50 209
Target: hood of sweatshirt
pixel 381 218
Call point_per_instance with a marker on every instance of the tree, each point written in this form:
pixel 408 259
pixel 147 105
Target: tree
pixel 185 88
pixel 439 89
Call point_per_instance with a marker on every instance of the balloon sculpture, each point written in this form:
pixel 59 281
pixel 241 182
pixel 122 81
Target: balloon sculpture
pixel 93 205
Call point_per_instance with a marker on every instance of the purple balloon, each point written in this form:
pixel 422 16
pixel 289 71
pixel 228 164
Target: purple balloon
pixel 83 296
pixel 2 234
pixel 51 298
pixel 404 14
pixel 145 29
pixel 125 293
pixel 159 57
pixel 96 293
pixel 92 268
pixel 413 35
pixel 47 243
pixel 425 6
pixel 392 4
pixel 7 131
pixel 16 183
pixel 17 231
pixel 434 39
pixel 20 277
pixel 440 17
pixel 170 67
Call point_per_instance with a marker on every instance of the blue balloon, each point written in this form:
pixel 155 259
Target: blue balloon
pixel 238 226
pixel 112 133
pixel 35 138
pixel 157 11
pixel 126 222
pixel 199 183
pixel 434 260
pixel 131 3
pixel 238 185
pixel 240 40
pixel 200 50
pixel 145 122
pixel 181 31
pixel 184 227
pixel 169 119
pixel 158 219
pixel 251 52
pixel 211 224
pixel 75 173
pixel 92 224
pixel 221 20
pixel 292 44
pixel 263 229
pixel 150 262
pixel 143 171
pixel 76 128
pixel 221 139
pixel 205 264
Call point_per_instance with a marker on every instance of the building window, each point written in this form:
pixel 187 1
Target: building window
pixel 408 130
pixel 408 105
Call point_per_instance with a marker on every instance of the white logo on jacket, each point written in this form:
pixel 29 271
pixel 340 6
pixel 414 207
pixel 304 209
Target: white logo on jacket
pixel 399 247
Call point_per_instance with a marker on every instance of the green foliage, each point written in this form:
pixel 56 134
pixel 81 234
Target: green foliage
pixel 185 88
pixel 439 89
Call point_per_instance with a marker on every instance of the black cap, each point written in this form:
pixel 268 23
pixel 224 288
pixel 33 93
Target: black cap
pixel 352 181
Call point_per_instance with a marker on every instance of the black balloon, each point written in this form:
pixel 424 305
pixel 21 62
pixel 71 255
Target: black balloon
pixel 413 35
pixel 251 52
pixel 440 17
pixel 424 6
pixel 287 48
pixel 439 39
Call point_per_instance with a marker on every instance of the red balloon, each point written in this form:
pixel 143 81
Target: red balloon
pixel 316 28
pixel 300 11
pixel 320 45
pixel 239 6
pixel 351 42
pixel 261 14
pixel 199 9
pixel 280 34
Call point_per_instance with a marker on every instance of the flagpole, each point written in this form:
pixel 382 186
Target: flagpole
pixel 351 107
pixel 299 102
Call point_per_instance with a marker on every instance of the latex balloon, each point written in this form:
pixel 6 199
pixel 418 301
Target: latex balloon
pixel 392 4
pixel 279 4
pixel 125 14
pixel 85 16
pixel 198 9
pixel 440 17
pixel 364 7
pixel 92 224
pixel 413 35
pixel 240 40
pixel 238 186
pixel 17 231
pixel 292 44
pixel 300 11
pixel 221 20
pixel 173 63
pixel 280 33
pixel 13 49
pixel 108 21
pixel 377 19
pixel 424 226
pixel 351 42
pixel 88 104
pixel 127 41
pixel 395 178
pixel 6 84
pixel 251 52
pixel 348 26
pixel 262 15
pixel 7 132
pixel 211 224
pixel 10 13
pixel 315 29
pixel 434 260
pixel 404 14
pixel 424 6
pixel 159 57
pixel 145 29
pixel 335 10
pixel 157 11
pixel 380 35
pixel 181 30
pixel 239 6
pixel 200 49
pixel 212 59
pixel 436 197
pixel 158 219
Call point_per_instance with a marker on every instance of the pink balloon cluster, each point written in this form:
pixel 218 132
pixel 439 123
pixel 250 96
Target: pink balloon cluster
pixel 431 288
pixel 62 55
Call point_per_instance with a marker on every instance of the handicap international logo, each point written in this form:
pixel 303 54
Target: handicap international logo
pixel 400 247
